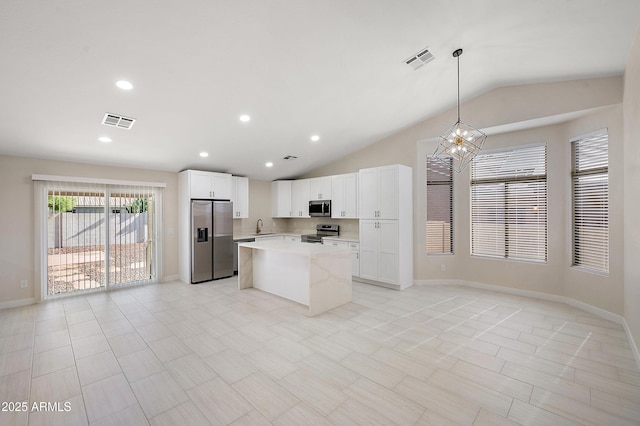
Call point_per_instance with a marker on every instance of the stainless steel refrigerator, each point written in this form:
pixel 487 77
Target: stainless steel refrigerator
pixel 211 240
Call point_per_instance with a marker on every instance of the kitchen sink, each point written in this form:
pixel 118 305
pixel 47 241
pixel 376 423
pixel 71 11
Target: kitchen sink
pixel 263 233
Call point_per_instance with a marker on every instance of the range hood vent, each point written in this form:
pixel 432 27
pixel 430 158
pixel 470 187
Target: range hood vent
pixel 420 59
pixel 119 121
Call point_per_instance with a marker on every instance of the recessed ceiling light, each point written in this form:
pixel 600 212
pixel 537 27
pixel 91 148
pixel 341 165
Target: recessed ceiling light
pixel 124 85
pixel 204 154
pixel 104 139
pixel 244 118
pixel 268 164
pixel 315 138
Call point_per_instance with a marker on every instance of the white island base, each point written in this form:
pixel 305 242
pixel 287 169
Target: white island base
pixel 313 275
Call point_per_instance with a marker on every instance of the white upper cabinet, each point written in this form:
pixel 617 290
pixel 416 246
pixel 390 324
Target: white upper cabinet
pixel 209 185
pixel 368 193
pixel 240 197
pixel 300 198
pixel 281 198
pixel 378 192
pixel 344 196
pixel 320 188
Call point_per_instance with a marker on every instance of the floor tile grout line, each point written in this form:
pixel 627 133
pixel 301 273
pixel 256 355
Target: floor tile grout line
pixel 31 370
pixel 406 315
pixel 119 365
pixel 429 320
pixel 353 328
pixel 75 363
pixel 451 328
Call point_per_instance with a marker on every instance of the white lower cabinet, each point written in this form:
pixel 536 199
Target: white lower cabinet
pixel 355 259
pixel 379 251
pixel 355 253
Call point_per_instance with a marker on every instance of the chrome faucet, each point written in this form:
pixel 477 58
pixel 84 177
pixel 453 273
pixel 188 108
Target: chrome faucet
pixel 259 225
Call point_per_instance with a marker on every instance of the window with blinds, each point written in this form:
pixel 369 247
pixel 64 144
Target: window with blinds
pixel 439 207
pixel 509 204
pixel 590 198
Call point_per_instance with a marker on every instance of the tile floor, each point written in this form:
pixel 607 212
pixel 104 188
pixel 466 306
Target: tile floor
pixel 173 353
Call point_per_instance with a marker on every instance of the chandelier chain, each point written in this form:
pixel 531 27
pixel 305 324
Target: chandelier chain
pixel 458 58
pixel 461 142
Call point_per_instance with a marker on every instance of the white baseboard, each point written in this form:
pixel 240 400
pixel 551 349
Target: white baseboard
pixel 632 342
pixel 544 296
pixel 16 303
pixel 533 294
pixel 377 283
pixel 595 310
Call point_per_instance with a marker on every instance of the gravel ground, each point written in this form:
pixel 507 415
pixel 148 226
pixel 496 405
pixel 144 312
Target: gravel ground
pixel 124 263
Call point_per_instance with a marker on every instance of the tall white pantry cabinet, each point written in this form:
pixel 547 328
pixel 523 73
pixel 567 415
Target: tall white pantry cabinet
pixel 196 184
pixel 386 225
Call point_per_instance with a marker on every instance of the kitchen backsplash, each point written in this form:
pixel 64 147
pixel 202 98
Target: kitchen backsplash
pixel 348 227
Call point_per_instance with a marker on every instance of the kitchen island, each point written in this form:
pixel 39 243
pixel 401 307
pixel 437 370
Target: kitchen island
pixel 313 275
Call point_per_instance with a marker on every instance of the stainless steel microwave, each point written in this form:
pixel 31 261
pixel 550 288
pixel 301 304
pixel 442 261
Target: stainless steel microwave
pixel 320 208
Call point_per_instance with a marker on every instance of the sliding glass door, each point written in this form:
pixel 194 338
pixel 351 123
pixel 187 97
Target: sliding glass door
pixel 99 237
pixel 75 240
pixel 131 237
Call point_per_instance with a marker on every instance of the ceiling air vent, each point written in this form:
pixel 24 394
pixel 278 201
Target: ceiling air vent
pixel 420 59
pixel 290 157
pixel 119 121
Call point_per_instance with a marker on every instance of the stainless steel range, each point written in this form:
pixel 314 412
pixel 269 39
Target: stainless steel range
pixel 321 231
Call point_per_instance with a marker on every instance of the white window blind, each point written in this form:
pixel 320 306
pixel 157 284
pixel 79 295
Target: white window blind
pixel 509 204
pixel 439 207
pixel 590 184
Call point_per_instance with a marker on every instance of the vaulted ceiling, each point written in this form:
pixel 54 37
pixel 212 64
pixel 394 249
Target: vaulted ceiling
pixel 298 68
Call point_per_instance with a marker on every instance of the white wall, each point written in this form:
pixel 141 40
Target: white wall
pixel 606 292
pixel 631 191
pixel 17 215
pixel 597 104
pixel 497 108
pixel 556 276
pixel 259 208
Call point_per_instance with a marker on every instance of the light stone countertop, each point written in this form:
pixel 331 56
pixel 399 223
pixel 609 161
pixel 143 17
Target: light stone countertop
pixel 264 234
pixel 295 247
pixel 347 238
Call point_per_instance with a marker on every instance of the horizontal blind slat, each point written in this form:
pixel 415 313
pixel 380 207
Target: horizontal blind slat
pixel 509 204
pixel 590 199
pixel 439 229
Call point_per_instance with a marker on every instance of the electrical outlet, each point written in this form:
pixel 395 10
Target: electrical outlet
pixel 442 267
pixel 24 284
